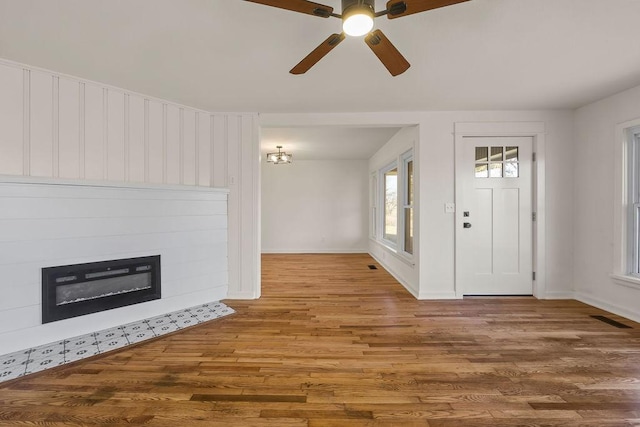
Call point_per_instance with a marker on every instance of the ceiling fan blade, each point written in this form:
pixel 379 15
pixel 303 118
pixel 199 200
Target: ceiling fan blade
pixel 399 8
pixel 302 6
pixel 318 53
pixel 387 52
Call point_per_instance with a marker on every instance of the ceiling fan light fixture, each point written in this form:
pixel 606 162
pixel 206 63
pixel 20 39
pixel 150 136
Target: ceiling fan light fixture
pixel 357 25
pixel 357 17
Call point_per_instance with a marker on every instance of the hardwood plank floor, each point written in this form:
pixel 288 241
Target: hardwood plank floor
pixel 333 343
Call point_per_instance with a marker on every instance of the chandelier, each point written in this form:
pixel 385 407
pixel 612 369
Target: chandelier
pixel 280 157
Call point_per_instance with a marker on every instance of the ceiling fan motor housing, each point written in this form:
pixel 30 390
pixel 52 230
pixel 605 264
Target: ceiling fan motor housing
pixel 352 6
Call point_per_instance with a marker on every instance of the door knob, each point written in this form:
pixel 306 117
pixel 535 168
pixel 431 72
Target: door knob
pixel 466 225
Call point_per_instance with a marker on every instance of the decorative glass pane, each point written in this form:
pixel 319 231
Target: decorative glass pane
pixel 511 170
pixel 482 154
pixel 496 154
pixel 495 170
pixel 409 183
pixel 512 154
pixel 391 205
pixel 408 230
pixel 482 170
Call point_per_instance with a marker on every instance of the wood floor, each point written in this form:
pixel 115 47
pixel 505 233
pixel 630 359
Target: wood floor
pixel 334 343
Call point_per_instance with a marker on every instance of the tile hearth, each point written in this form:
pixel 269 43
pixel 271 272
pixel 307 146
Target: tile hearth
pixel 47 356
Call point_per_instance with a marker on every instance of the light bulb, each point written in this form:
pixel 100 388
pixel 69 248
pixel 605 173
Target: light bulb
pixel 284 158
pixel 358 24
pixel 274 157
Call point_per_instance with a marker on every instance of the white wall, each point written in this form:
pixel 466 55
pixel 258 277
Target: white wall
pixel 53 223
pixel 315 206
pixel 434 154
pixel 438 178
pixel 404 270
pixel 595 178
pixel 58 126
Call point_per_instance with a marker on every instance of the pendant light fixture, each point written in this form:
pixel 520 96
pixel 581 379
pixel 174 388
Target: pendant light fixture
pixel 280 157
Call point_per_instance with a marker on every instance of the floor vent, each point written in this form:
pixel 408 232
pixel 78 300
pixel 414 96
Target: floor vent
pixel 611 322
pixel 372 267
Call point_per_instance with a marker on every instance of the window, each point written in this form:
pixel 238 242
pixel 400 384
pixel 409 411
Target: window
pixel 633 185
pixel 395 203
pixel 373 197
pixel 390 220
pixel 626 197
pixel 408 204
pixel 502 163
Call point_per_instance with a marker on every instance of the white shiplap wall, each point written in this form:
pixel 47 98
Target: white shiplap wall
pixel 53 222
pixel 58 129
pixel 59 126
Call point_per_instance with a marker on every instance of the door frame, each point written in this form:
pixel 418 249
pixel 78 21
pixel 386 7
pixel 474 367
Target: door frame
pixel 535 130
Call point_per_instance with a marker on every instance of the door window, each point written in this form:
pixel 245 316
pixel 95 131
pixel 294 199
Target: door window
pixel 497 162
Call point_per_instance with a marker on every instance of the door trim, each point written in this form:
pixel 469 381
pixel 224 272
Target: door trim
pixel 535 130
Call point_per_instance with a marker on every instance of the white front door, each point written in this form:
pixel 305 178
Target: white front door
pixel 494 216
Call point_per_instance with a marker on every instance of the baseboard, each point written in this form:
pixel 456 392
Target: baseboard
pixel 560 295
pixel 612 308
pixel 315 251
pixel 437 295
pixel 241 295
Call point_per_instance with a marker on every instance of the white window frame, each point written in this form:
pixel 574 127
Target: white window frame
pixel 626 196
pixel 633 206
pixel 400 163
pixel 404 182
pixel 381 205
pixel 373 206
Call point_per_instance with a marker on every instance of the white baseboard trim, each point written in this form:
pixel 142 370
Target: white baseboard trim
pixel 315 251
pixel 560 295
pixel 406 285
pixel 612 308
pixel 241 295
pixel 438 295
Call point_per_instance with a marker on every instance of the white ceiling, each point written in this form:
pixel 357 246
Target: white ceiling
pixel 326 143
pixel 233 55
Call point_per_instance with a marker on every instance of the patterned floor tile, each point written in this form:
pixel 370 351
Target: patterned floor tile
pixel 14 359
pixel 165 329
pixel 13 365
pixel 162 325
pixel 37 364
pixel 201 313
pixel 12 372
pixel 111 339
pixel 139 336
pixel 54 350
pixel 184 319
pixel 138 331
pixel 114 343
pixel 36 359
pixel 208 316
pixel 80 342
pixel 80 353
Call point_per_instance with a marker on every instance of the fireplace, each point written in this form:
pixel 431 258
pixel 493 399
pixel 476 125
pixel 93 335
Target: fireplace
pixel 76 290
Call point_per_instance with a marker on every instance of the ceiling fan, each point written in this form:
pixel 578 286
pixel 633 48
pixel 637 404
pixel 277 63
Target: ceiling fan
pixel 357 20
